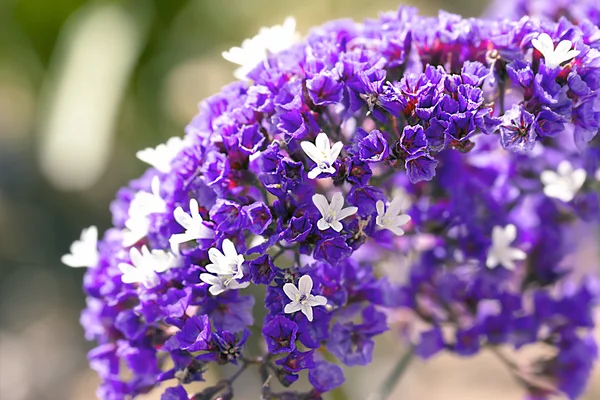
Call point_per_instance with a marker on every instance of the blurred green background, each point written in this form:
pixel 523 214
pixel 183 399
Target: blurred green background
pixel 85 84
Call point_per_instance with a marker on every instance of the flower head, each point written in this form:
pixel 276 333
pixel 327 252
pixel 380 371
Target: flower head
pixel 145 266
pixel 84 252
pixel 564 183
pixel 142 205
pixel 193 224
pixel 554 56
pixel 255 50
pixel 301 299
pixel 500 253
pixel 332 213
pixel 161 156
pixel 322 153
pixel 391 219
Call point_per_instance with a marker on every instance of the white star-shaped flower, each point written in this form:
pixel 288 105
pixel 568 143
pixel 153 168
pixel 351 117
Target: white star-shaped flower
pixel 564 183
pixel 193 224
pixel 332 213
pixel 322 153
pixel 255 50
pixel 500 253
pixel 227 267
pixel 146 265
pixel 161 156
pixel 301 299
pixel 391 219
pixel 142 205
pixel 145 203
pixel 84 252
pixel 554 56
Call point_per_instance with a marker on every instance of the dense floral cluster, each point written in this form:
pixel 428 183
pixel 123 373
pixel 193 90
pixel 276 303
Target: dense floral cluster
pixel 461 153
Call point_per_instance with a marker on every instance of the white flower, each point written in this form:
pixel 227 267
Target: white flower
pixel 161 156
pixel 255 50
pixel 500 253
pixel 227 266
pixel 391 218
pixel 332 213
pixel 564 183
pixel 598 174
pixel 193 224
pixel 229 262
pixel 301 298
pixel 137 229
pixel 221 283
pixel 554 56
pixel 84 252
pixel 322 153
pixel 145 266
pixel 142 205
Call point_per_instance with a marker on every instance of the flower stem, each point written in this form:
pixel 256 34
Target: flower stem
pixel 388 385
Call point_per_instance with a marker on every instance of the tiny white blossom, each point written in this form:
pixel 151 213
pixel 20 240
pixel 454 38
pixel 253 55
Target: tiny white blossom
pixel 142 205
pixel 301 299
pixel 598 174
pixel 161 156
pixel 146 265
pixel 84 252
pixel 391 219
pixel 564 183
pixel 227 267
pixel 228 262
pixel 332 213
pixel 500 253
pixel 137 229
pixel 255 50
pixel 145 203
pixel 193 224
pixel 554 56
pixel 322 153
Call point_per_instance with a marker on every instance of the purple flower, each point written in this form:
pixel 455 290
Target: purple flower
pixel 174 393
pixel 373 147
pixel 258 217
pixel 518 130
pixel 420 167
pixel 280 335
pixel 193 336
pixel 262 270
pixel 296 361
pixel 326 376
pixel 323 89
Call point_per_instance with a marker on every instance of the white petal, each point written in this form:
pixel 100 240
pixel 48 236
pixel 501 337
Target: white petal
pixel 401 219
pixel 229 249
pixel 336 226
pixel 314 301
pixel 321 203
pixel 396 230
pixel 322 143
pixel 311 151
pixel 510 233
pixel 549 177
pixel 183 218
pixel 323 225
pixel 71 261
pixel 337 202
pixel 335 151
pixel 292 307
pixel 517 254
pixel 307 310
pixel 492 261
pixel 305 285
pixel 380 208
pixel 346 212
pixel 291 291
pixel 194 210
pixel 313 173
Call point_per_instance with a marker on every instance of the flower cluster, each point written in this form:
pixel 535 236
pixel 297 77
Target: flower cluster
pixel 461 152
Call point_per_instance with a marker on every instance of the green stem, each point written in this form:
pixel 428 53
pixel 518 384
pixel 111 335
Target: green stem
pixel 388 385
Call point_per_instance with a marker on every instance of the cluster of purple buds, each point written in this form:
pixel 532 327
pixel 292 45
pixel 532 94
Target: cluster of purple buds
pixel 459 154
